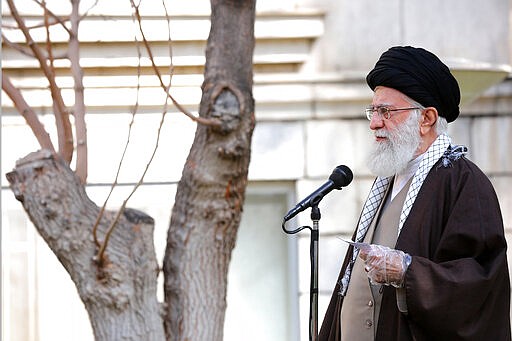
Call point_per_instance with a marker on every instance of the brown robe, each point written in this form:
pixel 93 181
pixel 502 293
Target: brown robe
pixel 457 286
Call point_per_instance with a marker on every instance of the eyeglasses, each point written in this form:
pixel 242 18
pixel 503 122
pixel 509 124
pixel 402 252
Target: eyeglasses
pixel 383 112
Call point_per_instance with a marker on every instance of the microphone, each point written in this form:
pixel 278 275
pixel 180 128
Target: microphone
pixel 341 176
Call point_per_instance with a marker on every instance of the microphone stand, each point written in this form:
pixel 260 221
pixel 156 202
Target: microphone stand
pixel 313 330
pixel 341 176
pixel 313 253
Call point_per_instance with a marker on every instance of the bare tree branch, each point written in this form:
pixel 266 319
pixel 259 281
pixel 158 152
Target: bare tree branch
pixel 114 184
pixel 87 11
pixel 100 256
pixel 26 111
pixel 61 20
pixel 21 49
pixel 206 121
pixel 79 107
pixel 65 136
pixel 169 38
pixel 48 40
pixel 28 52
pixel 58 20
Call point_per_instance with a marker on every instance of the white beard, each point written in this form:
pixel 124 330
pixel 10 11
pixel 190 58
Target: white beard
pixel 391 156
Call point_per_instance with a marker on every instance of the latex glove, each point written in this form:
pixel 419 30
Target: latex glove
pixel 385 265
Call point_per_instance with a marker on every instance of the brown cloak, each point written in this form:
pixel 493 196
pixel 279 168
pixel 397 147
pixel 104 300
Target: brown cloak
pixel 457 285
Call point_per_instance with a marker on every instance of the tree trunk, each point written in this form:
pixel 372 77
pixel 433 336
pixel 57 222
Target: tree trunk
pixel 210 195
pixel 120 293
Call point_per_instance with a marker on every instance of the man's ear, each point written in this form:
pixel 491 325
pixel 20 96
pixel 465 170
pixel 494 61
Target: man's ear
pixel 428 120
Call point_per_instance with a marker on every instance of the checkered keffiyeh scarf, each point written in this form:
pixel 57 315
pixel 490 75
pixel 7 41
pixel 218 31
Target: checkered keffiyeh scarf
pixel 438 149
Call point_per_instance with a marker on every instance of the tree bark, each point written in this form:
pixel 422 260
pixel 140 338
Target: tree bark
pixel 120 293
pixel 210 195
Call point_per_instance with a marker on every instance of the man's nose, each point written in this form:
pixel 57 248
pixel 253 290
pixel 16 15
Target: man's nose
pixel 376 122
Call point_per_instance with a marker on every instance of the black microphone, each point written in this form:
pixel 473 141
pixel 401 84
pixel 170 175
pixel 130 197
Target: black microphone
pixel 341 176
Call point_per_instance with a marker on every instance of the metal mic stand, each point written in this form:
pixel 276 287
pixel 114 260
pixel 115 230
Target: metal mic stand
pixel 313 328
pixel 341 176
pixel 313 253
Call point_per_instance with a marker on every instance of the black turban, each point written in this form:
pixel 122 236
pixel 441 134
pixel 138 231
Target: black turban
pixel 420 75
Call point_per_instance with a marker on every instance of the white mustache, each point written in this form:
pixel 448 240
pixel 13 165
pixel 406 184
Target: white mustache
pixel 382 133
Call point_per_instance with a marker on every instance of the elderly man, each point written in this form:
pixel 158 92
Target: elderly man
pixel 430 259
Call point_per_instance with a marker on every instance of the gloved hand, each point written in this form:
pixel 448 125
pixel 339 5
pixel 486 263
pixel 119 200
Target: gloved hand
pixel 385 265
